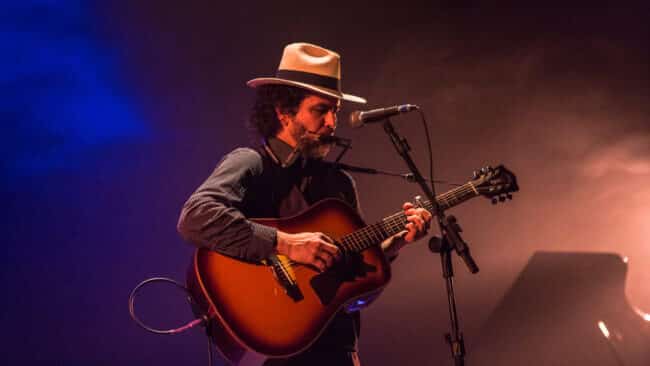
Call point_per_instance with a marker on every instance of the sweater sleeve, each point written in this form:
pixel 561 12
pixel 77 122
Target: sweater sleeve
pixel 211 217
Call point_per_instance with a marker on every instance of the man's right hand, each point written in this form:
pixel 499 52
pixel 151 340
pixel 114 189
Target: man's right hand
pixel 316 249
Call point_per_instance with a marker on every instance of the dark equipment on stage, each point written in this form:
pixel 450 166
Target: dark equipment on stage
pixel 566 309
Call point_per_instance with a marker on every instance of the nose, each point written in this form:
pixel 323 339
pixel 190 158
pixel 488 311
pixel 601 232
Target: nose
pixel 330 119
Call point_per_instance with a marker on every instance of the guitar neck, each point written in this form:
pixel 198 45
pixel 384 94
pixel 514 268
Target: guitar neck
pixel 370 235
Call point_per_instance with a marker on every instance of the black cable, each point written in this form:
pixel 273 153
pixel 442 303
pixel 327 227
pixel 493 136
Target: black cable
pixel 426 130
pixel 407 176
pixel 137 288
pixel 202 320
pixel 209 351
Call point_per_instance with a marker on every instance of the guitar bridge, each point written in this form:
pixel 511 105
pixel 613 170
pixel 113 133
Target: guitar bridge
pixel 283 273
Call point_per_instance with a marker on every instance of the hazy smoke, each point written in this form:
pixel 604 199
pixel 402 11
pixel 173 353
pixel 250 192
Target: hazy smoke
pixel 630 155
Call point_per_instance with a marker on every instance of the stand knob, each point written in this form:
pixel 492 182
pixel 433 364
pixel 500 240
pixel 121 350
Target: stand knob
pixel 435 244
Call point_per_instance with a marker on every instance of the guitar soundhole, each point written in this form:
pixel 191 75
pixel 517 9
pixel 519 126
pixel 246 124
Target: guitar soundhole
pixel 326 284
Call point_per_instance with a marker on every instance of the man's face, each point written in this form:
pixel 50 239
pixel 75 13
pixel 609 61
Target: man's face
pixel 316 117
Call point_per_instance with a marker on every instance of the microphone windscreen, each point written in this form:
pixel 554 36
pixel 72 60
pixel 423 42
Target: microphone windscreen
pixel 355 119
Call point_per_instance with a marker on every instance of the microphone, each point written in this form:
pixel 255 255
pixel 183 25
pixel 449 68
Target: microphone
pixel 359 118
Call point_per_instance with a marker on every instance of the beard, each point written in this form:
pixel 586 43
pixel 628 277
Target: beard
pixel 309 143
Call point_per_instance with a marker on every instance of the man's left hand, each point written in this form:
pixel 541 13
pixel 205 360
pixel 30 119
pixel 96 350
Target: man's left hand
pixel 419 220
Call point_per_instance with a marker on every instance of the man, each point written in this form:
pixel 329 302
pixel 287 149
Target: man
pixel 293 112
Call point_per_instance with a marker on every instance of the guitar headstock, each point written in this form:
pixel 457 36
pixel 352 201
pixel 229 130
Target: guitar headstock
pixel 498 183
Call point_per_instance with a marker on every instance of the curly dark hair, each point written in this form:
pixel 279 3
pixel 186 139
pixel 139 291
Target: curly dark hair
pixel 263 119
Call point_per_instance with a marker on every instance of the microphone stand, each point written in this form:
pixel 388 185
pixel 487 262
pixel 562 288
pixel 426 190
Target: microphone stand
pixel 451 239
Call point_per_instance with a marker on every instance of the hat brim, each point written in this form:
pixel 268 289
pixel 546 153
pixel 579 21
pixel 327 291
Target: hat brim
pixel 326 91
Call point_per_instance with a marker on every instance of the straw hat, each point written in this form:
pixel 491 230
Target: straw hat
pixel 310 67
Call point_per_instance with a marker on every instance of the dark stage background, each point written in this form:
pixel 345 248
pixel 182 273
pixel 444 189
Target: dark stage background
pixel 114 112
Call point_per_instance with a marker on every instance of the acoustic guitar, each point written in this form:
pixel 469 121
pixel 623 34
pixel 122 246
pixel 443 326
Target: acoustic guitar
pixel 278 308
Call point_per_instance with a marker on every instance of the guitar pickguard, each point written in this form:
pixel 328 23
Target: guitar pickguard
pixel 326 284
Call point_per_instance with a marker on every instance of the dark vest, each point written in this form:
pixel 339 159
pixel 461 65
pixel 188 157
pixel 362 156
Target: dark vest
pixel 285 191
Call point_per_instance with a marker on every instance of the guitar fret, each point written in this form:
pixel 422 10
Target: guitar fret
pixel 345 244
pixel 369 235
pixel 358 241
pixel 356 244
pixel 353 245
pixel 396 224
pixel 366 236
pixel 342 244
pixel 369 238
pixel 378 232
pixel 377 227
pixel 388 226
pixel 374 233
pixel 350 242
pixel 366 242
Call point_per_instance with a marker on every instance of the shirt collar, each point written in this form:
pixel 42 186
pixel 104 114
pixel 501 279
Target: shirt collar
pixel 281 153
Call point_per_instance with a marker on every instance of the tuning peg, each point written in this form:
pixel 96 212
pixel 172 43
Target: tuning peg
pixel 509 196
pixel 495 200
pixel 475 174
pixel 502 198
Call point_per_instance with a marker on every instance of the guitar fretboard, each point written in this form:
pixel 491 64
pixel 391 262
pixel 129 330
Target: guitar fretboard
pixel 374 234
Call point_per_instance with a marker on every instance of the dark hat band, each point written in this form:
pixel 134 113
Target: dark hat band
pixel 309 78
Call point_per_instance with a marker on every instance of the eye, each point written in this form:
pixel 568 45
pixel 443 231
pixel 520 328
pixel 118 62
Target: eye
pixel 321 110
